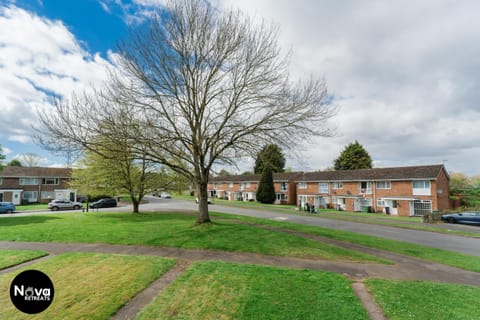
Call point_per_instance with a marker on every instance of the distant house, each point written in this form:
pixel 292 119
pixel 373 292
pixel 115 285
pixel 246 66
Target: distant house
pixel 244 187
pixel 404 191
pixel 22 185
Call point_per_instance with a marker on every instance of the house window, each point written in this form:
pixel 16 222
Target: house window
pixel 249 184
pixel 384 185
pixel 281 197
pixel 365 187
pixel 50 181
pixel 323 187
pixel 302 185
pixel 30 196
pixel 421 188
pixel 337 185
pixel 1 181
pixel 47 195
pixel 242 186
pixel 230 185
pixel 422 207
pixel 28 181
pixel 283 186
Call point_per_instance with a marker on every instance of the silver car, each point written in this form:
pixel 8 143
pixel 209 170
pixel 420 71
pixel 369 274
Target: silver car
pixel 56 205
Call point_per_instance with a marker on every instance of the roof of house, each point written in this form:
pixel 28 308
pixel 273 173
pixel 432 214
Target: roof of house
pixel 286 176
pixel 35 172
pixel 429 172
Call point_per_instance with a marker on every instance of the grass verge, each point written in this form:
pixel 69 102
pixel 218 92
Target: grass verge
pixel 88 286
pixel 9 258
pixel 217 290
pixel 402 300
pixel 169 230
pixel 414 223
pixel 450 258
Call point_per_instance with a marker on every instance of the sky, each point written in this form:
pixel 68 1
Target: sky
pixel 404 74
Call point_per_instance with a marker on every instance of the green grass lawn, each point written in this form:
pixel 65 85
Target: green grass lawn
pixel 88 286
pixel 402 300
pixel 29 207
pixel 168 230
pixel 415 223
pixel 10 258
pixel 217 290
pixel 453 259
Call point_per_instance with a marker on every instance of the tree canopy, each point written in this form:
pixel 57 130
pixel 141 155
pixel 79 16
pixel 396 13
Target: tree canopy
pixel 196 87
pixel 119 173
pixel 15 163
pixel 353 157
pixel 2 157
pixel 270 156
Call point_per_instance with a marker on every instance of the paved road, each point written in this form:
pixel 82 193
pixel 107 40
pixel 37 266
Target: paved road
pixel 437 240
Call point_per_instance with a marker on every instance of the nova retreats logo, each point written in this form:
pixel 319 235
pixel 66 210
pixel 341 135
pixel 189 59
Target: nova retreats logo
pixel 31 291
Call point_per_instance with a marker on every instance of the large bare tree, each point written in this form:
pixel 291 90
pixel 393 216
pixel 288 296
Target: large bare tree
pixel 197 87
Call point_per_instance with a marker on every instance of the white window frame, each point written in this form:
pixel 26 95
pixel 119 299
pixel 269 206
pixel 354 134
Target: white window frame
pixel 368 187
pixel 32 195
pixel 323 187
pixel 384 185
pixel 242 186
pixel 422 188
pixel 248 185
pixel 336 185
pixel 28 181
pixel 283 186
pixel 56 181
pixel 302 185
pixel 421 207
pixel 47 195
pixel 230 184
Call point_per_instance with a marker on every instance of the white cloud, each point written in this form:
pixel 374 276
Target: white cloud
pixel 39 58
pixel 405 75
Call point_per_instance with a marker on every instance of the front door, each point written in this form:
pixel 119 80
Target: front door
pixel 16 197
pixel 357 205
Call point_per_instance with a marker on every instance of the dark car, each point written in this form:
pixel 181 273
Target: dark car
pixel 464 217
pixel 104 203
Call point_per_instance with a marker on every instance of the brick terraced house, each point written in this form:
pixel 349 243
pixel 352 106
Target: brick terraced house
pixel 244 187
pixel 22 185
pixel 404 191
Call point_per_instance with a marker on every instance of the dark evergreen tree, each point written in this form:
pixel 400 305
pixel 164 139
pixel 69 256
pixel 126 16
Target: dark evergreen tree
pixel 353 157
pixel 270 156
pixel 266 190
pixel 15 163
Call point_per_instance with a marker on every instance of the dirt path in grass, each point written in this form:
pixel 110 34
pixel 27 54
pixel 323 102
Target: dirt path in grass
pixel 405 268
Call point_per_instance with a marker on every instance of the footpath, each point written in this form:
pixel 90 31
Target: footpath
pixel 404 267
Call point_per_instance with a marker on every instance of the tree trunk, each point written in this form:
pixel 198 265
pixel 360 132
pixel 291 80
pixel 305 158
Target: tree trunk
pixel 202 192
pixel 136 205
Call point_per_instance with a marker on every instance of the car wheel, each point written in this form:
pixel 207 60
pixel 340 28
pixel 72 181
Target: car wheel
pixel 9 211
pixel 451 220
pixel 76 207
pixel 54 208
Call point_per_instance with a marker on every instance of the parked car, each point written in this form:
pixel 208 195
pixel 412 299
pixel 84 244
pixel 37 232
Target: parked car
pixel 209 200
pixel 7 207
pixel 56 205
pixel 464 217
pixel 165 195
pixel 104 203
